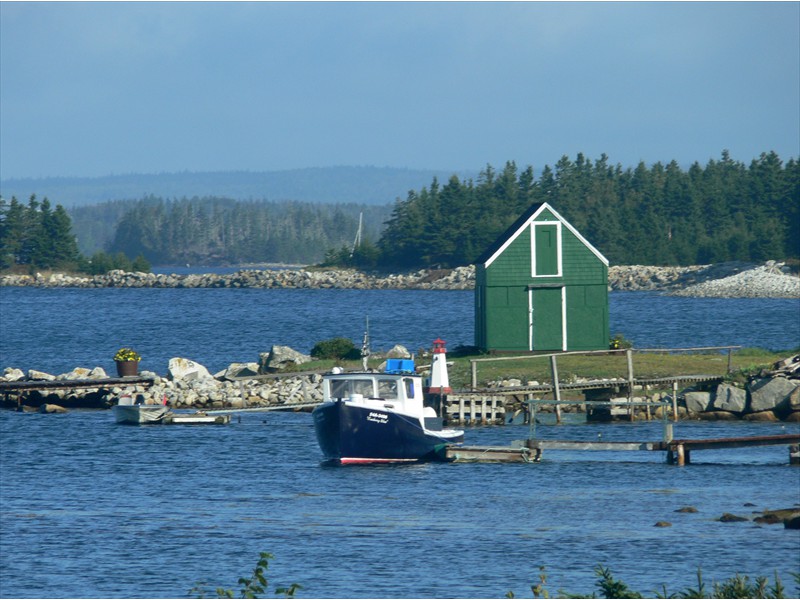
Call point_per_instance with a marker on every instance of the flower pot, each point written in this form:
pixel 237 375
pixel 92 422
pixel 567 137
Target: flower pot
pixel 127 368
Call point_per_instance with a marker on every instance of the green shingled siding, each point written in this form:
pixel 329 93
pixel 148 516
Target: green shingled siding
pixel 502 296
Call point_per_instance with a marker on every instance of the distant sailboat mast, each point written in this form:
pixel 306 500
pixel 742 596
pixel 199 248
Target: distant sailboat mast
pixel 357 241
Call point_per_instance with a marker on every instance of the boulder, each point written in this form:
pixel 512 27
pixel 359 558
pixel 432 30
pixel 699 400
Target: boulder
pixel 76 373
pixel 40 376
pixel 398 351
pixel 730 398
pixel 98 373
pixel 183 369
pixel 794 399
pixel 718 415
pixel 697 401
pixel 52 409
pixel 235 370
pixel 793 417
pixel 770 394
pixel 765 416
pixel 281 357
pixel 729 518
pixel 11 374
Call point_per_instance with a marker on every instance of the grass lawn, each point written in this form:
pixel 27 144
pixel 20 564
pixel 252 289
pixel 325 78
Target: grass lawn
pixel 598 366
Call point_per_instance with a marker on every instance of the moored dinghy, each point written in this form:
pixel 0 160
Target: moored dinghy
pixel 131 412
pixel 382 417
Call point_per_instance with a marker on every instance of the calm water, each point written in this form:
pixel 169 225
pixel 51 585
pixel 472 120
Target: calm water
pixel 92 509
pixel 57 330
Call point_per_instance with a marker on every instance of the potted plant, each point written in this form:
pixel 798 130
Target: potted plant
pixel 127 360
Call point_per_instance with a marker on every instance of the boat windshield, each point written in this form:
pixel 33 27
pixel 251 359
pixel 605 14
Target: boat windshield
pixel 387 389
pixel 345 388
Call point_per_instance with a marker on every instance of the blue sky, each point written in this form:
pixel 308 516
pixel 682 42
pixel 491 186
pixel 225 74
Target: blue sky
pixel 92 89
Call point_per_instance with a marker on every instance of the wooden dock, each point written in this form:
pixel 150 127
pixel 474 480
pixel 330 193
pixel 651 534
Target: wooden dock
pixel 678 451
pixel 13 387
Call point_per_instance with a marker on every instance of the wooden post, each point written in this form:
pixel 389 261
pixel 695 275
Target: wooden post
pixel 556 389
pixel 474 368
pixel 675 401
pixel 681 456
pixel 472 410
pixel 794 454
pixel 730 360
pixel 629 357
pixel 461 409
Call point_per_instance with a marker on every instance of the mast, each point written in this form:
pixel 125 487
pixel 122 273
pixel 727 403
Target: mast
pixel 357 241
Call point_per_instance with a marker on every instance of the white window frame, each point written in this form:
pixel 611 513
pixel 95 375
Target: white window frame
pixel 534 225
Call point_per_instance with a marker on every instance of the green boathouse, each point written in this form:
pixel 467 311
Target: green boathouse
pixel 541 287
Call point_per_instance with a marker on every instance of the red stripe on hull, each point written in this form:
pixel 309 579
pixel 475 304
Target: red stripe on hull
pixel 366 461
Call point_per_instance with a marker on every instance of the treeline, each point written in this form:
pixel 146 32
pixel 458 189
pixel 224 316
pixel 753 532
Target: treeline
pixel 662 215
pixel 37 236
pixel 658 215
pixel 216 231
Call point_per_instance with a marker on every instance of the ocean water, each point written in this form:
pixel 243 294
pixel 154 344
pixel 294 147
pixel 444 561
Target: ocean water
pixel 95 510
pixel 56 330
pixel 91 509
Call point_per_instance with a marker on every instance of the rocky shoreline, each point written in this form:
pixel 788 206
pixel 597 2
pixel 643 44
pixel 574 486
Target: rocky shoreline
pixel 773 395
pixel 725 280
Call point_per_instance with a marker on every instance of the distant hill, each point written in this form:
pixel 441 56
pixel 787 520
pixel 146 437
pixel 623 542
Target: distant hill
pixel 363 185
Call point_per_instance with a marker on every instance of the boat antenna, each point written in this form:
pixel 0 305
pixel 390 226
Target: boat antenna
pixel 365 346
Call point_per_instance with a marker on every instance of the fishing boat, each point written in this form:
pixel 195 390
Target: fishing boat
pixel 132 412
pixel 385 416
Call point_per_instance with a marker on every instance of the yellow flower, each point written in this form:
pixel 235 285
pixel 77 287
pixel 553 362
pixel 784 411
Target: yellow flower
pixel 126 354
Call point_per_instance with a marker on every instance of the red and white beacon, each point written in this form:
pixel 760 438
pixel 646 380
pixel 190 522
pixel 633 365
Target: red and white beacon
pixel 439 382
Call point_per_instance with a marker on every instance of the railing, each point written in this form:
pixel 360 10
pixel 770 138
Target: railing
pixel 628 352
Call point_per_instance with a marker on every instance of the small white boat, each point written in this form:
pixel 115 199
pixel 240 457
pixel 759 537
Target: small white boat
pixel 130 412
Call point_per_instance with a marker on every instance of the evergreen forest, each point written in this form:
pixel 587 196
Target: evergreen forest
pixel 662 215
pixel 657 215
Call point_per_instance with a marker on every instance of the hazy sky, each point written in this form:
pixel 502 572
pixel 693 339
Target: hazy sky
pixel 91 89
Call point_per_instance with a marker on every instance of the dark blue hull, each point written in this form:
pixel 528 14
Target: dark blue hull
pixel 356 434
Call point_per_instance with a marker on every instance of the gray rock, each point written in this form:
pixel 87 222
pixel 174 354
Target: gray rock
pixel 764 416
pixel 51 409
pixel 240 370
pixel 398 351
pixel 183 369
pixel 40 376
pixel 697 401
pixel 770 394
pixel 99 373
pixel 76 373
pixel 282 356
pixel 730 398
pixel 11 374
pixel 729 518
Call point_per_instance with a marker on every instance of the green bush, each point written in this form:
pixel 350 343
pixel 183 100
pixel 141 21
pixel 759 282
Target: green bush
pixel 336 348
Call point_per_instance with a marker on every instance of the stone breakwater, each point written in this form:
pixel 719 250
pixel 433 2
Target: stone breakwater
pixel 772 395
pixel 724 280
pixel 461 278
